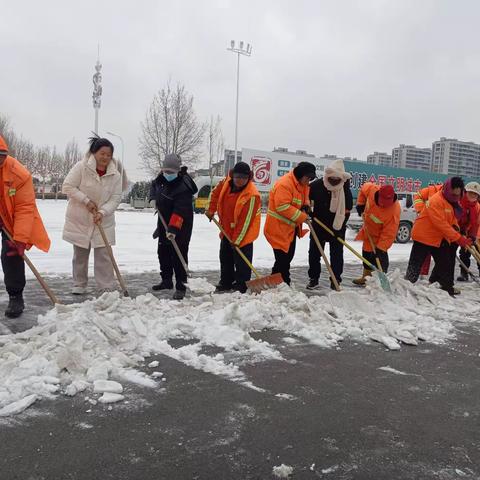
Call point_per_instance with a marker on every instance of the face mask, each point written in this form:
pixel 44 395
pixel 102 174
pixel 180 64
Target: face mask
pixel 170 177
pixel 334 181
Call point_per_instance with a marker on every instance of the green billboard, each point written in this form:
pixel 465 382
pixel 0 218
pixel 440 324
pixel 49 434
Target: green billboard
pixel 404 180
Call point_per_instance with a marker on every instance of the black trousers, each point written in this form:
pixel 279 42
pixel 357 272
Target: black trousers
pixel 169 262
pixel 283 260
pixel 465 258
pixel 13 270
pixel 232 267
pixel 336 258
pixel 382 256
pixel 444 257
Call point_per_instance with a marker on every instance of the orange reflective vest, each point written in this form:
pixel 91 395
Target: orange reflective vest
pixel 246 214
pixel 381 223
pixel 436 223
pixel 286 199
pixel 420 199
pixel 18 208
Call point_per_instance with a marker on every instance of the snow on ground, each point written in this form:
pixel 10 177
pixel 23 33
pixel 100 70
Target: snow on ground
pixel 78 347
pixel 136 251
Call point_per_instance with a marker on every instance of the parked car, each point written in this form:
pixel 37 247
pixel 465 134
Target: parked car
pixel 407 217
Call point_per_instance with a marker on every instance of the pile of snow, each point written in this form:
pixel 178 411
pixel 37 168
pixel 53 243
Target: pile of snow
pixel 99 344
pixel 282 471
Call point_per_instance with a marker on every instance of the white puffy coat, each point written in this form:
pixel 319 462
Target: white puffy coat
pixel 81 185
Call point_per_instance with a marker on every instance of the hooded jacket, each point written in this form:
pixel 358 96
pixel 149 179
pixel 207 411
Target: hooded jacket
pixel 174 201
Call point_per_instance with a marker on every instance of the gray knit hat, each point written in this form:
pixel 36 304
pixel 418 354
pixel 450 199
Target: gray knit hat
pixel 172 163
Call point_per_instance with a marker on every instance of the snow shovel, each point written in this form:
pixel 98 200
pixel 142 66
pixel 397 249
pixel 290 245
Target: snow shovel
pixel 112 258
pixel 322 253
pixel 175 246
pixel 260 283
pixel 384 282
pixel 474 277
pixel 42 282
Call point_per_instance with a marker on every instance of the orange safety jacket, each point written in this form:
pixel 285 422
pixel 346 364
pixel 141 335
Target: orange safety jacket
pixel 284 214
pixel 246 214
pixel 420 199
pixel 436 223
pixel 381 223
pixel 18 209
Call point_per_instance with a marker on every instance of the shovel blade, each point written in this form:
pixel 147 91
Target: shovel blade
pixel 384 282
pixel 264 283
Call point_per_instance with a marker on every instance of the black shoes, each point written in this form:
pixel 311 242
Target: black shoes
pixel 162 286
pixel 15 306
pixel 312 284
pixel 179 295
pixel 462 278
pixel 223 288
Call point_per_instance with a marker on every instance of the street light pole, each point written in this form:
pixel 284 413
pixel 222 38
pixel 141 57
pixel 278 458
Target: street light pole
pixel 240 50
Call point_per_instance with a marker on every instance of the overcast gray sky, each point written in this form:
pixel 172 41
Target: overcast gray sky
pixel 344 77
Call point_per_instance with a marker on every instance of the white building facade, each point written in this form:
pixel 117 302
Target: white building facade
pixel 454 157
pixel 380 158
pixel 410 156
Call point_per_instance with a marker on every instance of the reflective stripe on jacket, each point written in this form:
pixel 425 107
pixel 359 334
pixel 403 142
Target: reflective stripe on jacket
pixel 246 215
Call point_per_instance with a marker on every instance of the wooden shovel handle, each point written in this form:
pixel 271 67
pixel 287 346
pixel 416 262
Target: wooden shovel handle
pixel 112 258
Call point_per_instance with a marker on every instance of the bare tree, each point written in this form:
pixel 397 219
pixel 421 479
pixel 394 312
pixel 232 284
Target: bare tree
pixel 170 126
pixel 43 166
pixel 214 142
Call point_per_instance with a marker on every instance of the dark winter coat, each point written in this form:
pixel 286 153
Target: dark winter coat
pixel 174 200
pixel 321 197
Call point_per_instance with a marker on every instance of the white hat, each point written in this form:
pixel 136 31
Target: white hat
pixel 473 187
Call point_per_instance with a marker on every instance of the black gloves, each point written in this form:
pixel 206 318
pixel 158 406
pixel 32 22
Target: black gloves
pixel 307 210
pixel 360 209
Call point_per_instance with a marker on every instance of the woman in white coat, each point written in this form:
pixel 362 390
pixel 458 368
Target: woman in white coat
pixel 94 190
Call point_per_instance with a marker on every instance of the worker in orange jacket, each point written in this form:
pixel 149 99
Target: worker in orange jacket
pixel 469 224
pixel 381 217
pixel 287 206
pixel 237 201
pixel 20 218
pixel 436 231
pixel 420 200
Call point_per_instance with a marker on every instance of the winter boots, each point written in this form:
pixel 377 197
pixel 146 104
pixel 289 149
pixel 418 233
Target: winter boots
pixel 363 279
pixel 463 277
pixel 312 284
pixel 15 306
pixel 179 295
pixel 163 285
